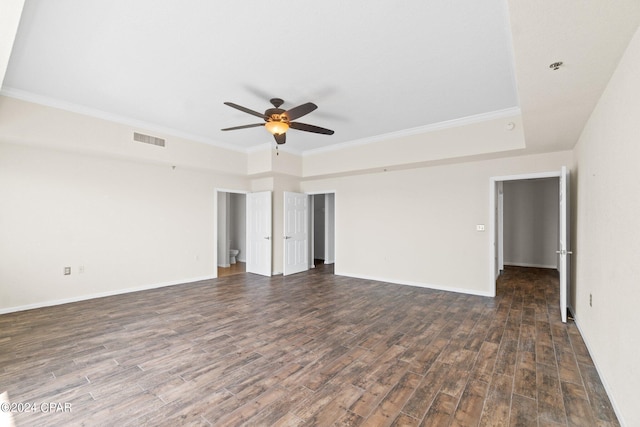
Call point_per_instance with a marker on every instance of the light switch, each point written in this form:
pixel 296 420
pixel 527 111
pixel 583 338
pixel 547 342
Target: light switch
pixel 480 227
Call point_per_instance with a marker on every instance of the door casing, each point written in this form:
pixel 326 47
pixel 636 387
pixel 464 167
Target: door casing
pixel 494 257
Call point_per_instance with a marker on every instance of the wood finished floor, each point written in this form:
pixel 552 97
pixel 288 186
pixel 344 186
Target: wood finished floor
pixel 232 270
pixel 308 349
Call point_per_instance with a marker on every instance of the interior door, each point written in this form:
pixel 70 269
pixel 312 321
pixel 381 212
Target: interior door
pixel 259 233
pixel 296 233
pixel 564 252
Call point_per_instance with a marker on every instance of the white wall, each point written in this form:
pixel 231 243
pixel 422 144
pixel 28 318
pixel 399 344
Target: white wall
pixel 36 125
pixel 607 244
pixel 418 226
pixel 129 224
pixel 444 141
pixel 531 221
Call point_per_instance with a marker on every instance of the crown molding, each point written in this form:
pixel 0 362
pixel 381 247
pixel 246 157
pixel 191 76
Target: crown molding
pixel 463 121
pixel 155 128
pixel 103 115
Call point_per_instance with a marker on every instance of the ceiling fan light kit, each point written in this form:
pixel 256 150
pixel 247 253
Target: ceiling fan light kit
pixel 277 127
pixel 278 121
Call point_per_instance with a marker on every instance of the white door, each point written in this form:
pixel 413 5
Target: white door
pixel 564 252
pixel 259 233
pixel 296 233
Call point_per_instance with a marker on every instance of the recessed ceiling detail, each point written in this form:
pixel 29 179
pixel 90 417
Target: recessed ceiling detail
pixel 109 56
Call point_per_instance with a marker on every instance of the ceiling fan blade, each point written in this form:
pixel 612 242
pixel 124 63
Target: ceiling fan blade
pixel 300 110
pixel 244 126
pixel 246 110
pixel 310 128
pixel 280 138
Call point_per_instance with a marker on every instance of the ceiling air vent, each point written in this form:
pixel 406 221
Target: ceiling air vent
pixel 148 139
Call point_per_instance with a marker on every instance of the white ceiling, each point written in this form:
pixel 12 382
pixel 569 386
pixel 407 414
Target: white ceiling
pixel 372 67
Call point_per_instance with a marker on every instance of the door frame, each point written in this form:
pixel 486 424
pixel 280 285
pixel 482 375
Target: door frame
pixel 216 193
pixel 493 217
pixel 499 234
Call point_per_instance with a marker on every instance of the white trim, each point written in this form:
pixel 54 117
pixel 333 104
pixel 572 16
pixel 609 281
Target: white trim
pixel 447 124
pixel 226 190
pixel 603 379
pixel 103 294
pixel 313 193
pixel 216 194
pixel 493 271
pixel 103 115
pixel 153 127
pixel 537 175
pixel 311 226
pixel 415 284
pixel 492 215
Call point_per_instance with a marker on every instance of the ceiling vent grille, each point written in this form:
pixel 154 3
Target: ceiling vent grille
pixel 148 139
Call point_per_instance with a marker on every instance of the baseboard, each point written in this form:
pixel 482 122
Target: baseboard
pixel 417 284
pixel 102 295
pixel 524 264
pixel 607 388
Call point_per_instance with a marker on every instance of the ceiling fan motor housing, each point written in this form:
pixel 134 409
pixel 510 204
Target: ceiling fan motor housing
pixel 275 114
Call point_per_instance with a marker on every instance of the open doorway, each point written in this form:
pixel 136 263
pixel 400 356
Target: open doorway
pixel 232 233
pixel 530 214
pixel 531 223
pixel 322 229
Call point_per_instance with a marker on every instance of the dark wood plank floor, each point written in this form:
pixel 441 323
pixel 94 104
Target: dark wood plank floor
pixel 308 349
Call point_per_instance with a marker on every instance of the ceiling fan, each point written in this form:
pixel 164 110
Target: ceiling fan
pixel 278 121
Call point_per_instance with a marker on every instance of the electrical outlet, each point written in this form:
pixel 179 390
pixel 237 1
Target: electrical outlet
pixel 590 300
pixel 67 271
pixel 480 227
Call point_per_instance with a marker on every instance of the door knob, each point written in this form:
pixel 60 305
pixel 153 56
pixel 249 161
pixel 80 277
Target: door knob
pixel 287 237
pixel 267 237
